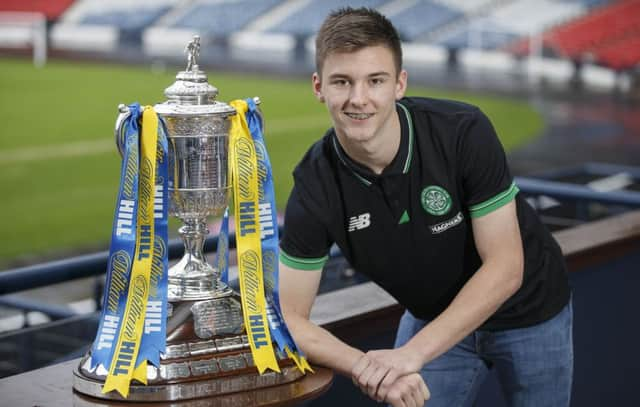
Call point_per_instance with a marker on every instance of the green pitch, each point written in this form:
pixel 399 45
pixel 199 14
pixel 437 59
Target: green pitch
pixel 59 167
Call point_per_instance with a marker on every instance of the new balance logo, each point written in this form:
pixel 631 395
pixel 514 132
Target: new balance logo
pixel 359 222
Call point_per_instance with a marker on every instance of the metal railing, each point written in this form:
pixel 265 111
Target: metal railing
pixel 95 264
pixel 90 265
pixel 61 271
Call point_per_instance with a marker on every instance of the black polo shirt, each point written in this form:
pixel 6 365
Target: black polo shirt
pixel 409 228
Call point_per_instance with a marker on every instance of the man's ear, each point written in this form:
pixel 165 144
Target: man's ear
pixel 317 86
pixel 401 84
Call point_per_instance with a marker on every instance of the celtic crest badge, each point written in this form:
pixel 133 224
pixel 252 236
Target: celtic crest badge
pixel 435 200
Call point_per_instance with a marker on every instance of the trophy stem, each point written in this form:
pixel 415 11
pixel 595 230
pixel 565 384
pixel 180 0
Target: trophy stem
pixel 193 234
pixel 192 278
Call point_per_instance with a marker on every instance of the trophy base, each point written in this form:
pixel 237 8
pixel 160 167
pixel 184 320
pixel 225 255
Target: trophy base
pixel 207 353
pixel 186 390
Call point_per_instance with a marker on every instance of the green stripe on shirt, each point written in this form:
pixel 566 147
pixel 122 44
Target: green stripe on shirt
pixel 302 264
pixel 494 203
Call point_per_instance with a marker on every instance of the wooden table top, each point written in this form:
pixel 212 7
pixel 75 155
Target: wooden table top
pixel 52 387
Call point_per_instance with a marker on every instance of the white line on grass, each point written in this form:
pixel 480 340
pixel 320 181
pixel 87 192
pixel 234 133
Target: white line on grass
pixel 76 148
pixel 273 128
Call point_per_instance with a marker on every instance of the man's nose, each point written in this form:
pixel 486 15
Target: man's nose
pixel 359 94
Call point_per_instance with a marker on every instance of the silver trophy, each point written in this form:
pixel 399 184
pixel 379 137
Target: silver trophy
pixel 198 133
pixel 207 350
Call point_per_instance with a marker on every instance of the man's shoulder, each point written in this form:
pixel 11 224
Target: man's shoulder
pixel 317 158
pixel 445 119
pixel 439 107
pixel 314 177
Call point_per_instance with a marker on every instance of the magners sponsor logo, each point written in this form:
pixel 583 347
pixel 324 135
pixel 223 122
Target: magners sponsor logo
pixel 441 227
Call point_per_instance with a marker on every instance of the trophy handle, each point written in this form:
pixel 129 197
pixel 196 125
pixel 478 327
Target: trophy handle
pixel 257 101
pixel 123 113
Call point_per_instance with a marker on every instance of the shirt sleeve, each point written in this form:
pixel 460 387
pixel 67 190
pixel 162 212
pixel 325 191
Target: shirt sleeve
pixel 486 180
pixel 305 242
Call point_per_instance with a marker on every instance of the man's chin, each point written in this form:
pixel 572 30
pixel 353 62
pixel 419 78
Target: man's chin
pixel 357 137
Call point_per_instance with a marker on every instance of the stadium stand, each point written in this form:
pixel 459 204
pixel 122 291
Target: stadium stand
pixel 467 6
pixel 305 21
pixel 424 17
pixel 466 11
pixel 622 55
pixel 610 36
pixel 468 34
pixel 52 9
pixel 505 23
pixel 220 18
pixel 23 25
pixel 216 21
pixel 94 25
pixel 127 21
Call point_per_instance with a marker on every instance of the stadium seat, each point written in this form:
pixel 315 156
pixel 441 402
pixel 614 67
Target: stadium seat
pixel 215 19
pixel 218 22
pixel 480 33
pixel 95 25
pixel 503 22
pixel 609 36
pixel 52 9
pixel 624 54
pixel 306 21
pixel 23 25
pixel 121 14
pixel 423 17
pixel 469 7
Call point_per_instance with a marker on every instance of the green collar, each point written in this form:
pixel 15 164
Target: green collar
pixel 363 173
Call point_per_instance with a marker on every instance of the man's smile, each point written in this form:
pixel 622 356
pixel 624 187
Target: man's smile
pixel 359 116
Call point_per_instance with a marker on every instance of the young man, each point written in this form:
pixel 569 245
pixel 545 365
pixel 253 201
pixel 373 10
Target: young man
pixel 417 194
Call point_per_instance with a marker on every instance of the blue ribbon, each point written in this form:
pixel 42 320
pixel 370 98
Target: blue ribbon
pixel 269 234
pixel 122 251
pixel 123 242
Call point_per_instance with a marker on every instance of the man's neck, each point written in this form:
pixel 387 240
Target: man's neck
pixel 377 153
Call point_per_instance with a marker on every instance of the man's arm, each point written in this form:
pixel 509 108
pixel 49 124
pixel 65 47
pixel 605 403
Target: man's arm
pixel 298 289
pixel 498 241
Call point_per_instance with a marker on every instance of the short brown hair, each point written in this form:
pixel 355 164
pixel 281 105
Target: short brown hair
pixel 348 29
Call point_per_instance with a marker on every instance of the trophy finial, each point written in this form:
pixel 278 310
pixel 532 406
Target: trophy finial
pixel 193 52
pixel 191 86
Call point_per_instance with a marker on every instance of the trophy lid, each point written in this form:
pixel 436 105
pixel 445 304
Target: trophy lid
pixel 191 93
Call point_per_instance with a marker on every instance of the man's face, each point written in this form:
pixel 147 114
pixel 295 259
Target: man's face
pixel 360 90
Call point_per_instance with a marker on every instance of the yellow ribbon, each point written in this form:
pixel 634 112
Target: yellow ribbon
pixel 243 166
pixel 123 369
pixel 300 361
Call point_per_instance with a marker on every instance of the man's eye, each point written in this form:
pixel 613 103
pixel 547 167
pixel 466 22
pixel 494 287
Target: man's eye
pixel 340 82
pixel 377 81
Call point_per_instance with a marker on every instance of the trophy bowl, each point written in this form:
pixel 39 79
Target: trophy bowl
pixel 198 187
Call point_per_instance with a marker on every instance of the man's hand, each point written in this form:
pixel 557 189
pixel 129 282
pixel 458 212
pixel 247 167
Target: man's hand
pixel 408 391
pixel 377 371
